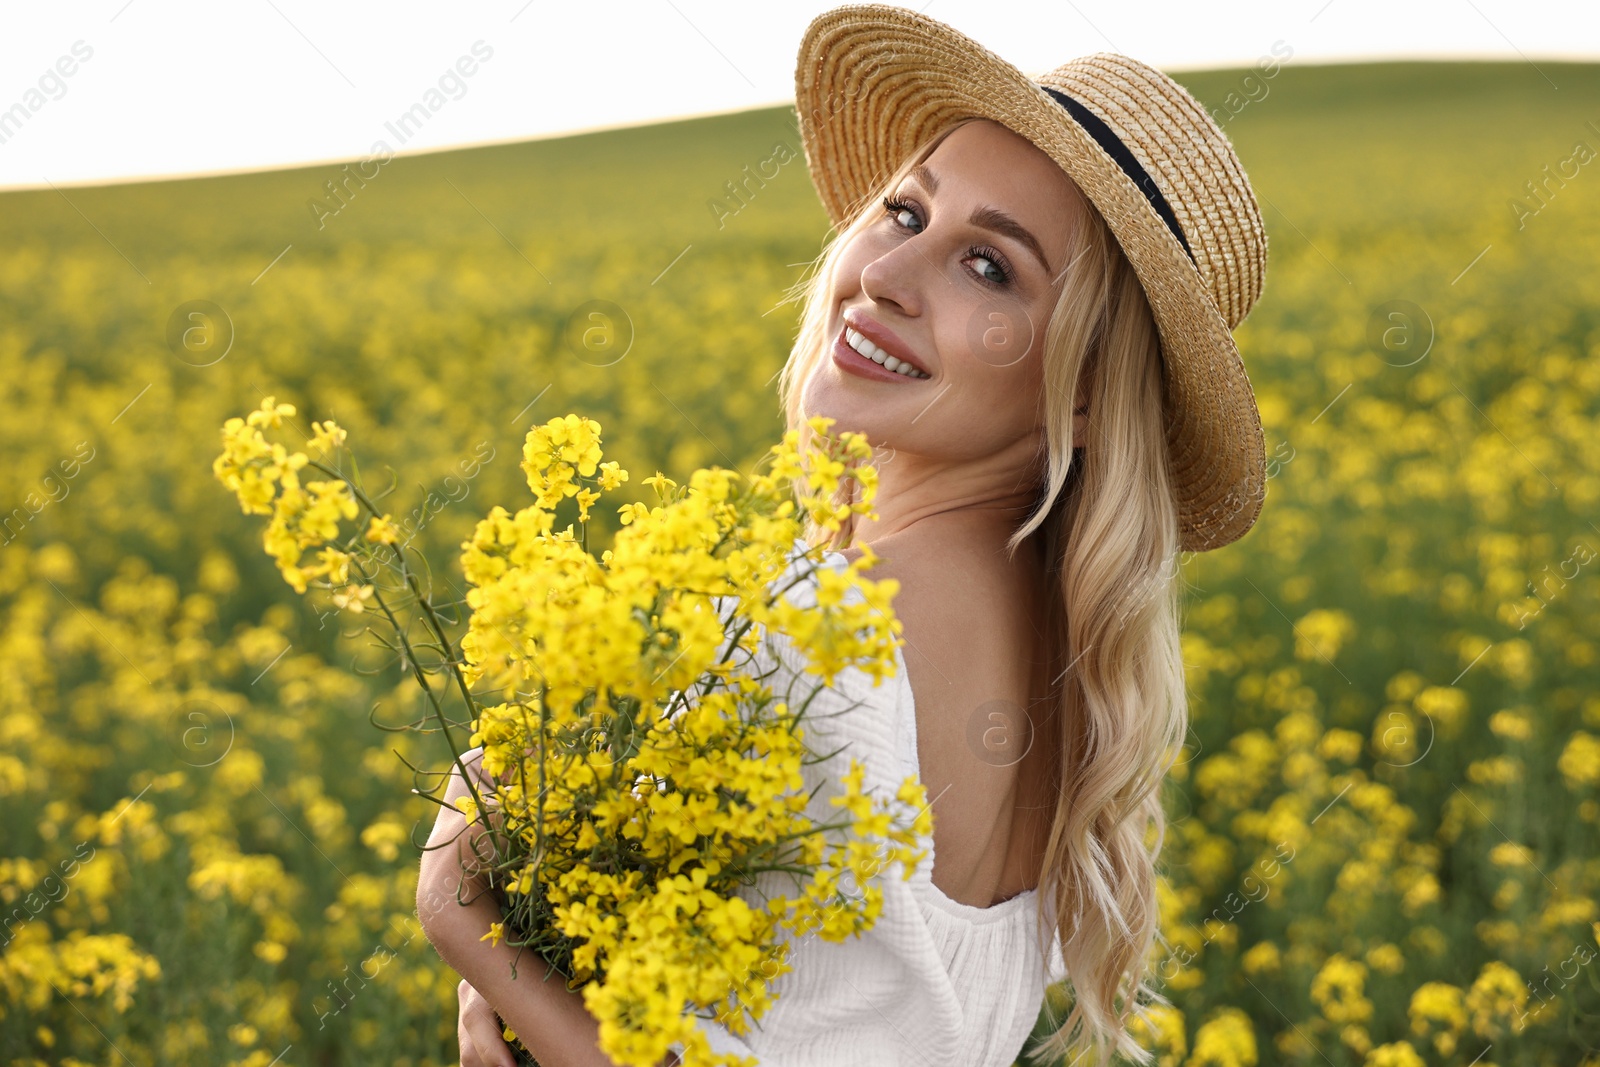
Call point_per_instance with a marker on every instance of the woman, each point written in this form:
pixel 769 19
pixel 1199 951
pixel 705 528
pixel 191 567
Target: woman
pixel 1046 273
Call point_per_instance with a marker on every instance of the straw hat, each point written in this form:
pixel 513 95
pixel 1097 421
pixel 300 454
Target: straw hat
pixel 873 81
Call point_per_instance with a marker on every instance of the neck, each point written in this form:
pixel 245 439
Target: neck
pixel 982 503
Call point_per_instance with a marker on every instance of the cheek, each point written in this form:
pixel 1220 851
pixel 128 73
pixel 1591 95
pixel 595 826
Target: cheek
pixel 1000 336
pixel 997 347
pixel 1001 372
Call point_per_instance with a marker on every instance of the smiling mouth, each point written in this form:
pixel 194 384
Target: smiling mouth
pixel 859 345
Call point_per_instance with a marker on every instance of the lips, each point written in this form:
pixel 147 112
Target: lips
pixel 885 339
pixel 854 363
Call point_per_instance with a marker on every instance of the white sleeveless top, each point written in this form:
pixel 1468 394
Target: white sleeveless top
pixel 935 981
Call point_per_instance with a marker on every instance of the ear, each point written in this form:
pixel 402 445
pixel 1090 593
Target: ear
pixel 1080 426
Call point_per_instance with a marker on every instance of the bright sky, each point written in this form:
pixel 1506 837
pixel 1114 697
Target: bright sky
pixel 165 87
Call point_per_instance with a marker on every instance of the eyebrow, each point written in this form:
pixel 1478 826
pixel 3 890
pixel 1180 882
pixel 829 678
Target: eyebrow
pixel 989 218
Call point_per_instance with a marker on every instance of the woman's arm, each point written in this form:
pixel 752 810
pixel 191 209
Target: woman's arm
pixel 551 1020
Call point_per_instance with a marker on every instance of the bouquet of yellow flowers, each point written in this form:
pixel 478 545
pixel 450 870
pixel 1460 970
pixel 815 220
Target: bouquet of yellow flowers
pixel 640 772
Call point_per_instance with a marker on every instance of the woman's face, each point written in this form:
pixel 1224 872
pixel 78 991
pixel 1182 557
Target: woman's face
pixel 960 277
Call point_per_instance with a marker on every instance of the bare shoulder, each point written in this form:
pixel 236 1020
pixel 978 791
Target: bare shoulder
pixel 971 642
pixel 953 598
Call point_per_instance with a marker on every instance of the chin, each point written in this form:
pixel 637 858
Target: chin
pixel 825 395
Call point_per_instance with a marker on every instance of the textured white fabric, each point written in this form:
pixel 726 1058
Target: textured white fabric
pixel 934 981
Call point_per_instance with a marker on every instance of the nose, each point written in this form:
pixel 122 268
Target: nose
pixel 899 277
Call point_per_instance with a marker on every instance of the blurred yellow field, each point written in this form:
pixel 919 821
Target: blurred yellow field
pixel 1385 824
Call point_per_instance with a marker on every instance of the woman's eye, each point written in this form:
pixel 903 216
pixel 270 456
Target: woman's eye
pixel 1001 279
pixel 900 211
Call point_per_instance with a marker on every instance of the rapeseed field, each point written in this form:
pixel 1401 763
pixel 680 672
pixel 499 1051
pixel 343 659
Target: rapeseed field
pixel 1383 851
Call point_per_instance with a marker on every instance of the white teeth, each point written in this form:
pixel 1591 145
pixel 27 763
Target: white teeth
pixel 877 355
pixel 864 346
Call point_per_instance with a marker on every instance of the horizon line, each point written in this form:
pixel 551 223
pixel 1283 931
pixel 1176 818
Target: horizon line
pixel 582 131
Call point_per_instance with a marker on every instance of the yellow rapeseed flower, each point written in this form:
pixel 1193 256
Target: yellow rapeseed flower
pixel 1395 1054
pixel 1579 761
pixel 1337 989
pixel 381 529
pixel 1495 1001
pixel 1438 1011
pixel 1159 1028
pixel 1226 1039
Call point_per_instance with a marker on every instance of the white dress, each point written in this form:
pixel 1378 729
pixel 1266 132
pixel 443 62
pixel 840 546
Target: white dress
pixel 935 981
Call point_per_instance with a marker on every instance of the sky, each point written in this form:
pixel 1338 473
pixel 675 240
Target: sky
pixel 116 90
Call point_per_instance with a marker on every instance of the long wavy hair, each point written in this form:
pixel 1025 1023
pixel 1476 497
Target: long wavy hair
pixel 1108 519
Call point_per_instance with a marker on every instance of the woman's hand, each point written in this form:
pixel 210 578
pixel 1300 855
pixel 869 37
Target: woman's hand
pixel 481 1038
pixel 550 1019
pixel 478 1031
pixel 456 909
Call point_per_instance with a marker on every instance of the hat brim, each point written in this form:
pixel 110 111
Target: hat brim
pixel 873 81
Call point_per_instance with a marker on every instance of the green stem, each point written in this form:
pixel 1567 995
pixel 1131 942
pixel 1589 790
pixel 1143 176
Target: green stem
pixel 452 660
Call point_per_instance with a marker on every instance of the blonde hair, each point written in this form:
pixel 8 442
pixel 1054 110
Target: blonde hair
pixel 1108 519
